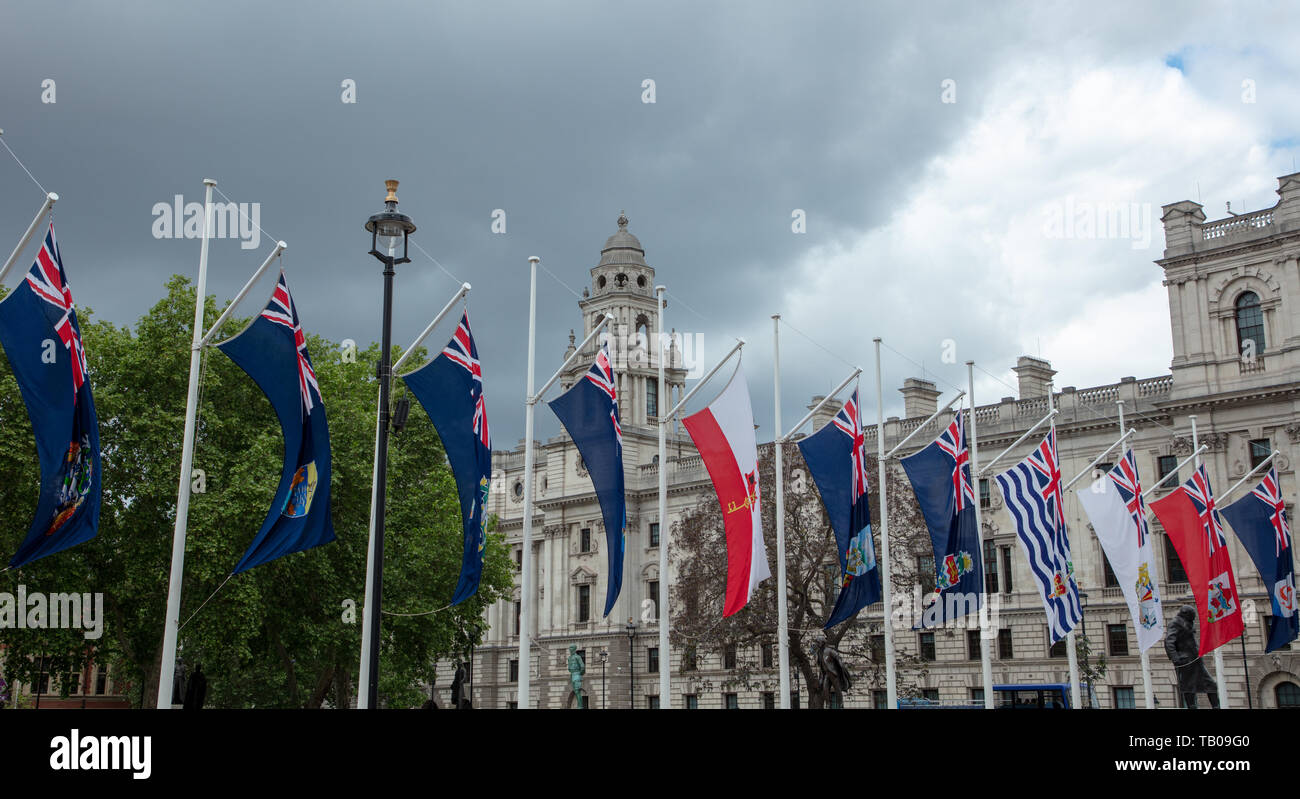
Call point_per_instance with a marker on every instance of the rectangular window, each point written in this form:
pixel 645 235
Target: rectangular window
pixel 514 670
pixel 794 700
pixel 877 649
pixel 1167 465
pixel 930 694
pixel 769 700
pixel 586 540
pixel 652 593
pixel 986 493
pixel 692 701
pixel 1056 650
pixel 654 534
pixel 584 603
pixel 1124 697
pixel 925 574
pixel 1174 571
pixel 1006 570
pixel 977 696
pixel 879 700
pixel 1005 647
pixel 730 702
pixel 990 567
pixel 837 700
pixel 1117 638
pixel 972 644
pixel 101 680
pixel 652 659
pixel 926 645
pixel 519 558
pixel 512 705
pixel 1111 581
pixel 652 397
pixel 652 702
pixel 689 659
pixel 729 657
pixel 768 654
pixel 1260 449
pixel 519 608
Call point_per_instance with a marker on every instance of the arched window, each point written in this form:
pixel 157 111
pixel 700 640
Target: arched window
pixel 1288 695
pixel 1250 323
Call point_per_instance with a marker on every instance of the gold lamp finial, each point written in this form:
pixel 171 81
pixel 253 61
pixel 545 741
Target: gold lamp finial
pixel 391 185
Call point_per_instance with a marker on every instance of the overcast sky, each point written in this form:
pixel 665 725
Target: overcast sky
pixel 926 221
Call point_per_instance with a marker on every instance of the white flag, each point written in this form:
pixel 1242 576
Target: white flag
pixel 1119 517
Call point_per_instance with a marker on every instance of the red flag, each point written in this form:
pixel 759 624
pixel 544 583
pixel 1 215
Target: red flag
pixel 1189 517
pixel 724 435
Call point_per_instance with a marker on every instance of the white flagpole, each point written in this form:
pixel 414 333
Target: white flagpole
pixel 167 670
pixel 986 641
pixel 1075 695
pixel 665 657
pixel 1219 676
pixel 50 200
pixel 363 679
pixel 1148 695
pixel 526 566
pixel 891 675
pixel 782 603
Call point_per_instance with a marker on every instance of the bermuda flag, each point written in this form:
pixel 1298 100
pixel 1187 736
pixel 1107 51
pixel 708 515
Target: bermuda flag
pixel 1192 523
pixel 42 340
pixel 724 435
pixel 589 411
pixel 940 478
pixel 1259 519
pixel 450 389
pixel 1119 517
pixel 1032 490
pixel 837 459
pixel 273 351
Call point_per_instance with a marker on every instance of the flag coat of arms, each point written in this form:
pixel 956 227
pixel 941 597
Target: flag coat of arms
pixel 589 412
pixel 724 435
pixel 1119 517
pixel 1032 492
pixel 1259 520
pixel 1192 523
pixel 450 389
pixel 272 350
pixel 42 340
pixel 941 479
pixel 836 457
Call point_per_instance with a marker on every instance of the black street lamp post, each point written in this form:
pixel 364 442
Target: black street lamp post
pixel 631 663
pixel 389 233
pixel 604 657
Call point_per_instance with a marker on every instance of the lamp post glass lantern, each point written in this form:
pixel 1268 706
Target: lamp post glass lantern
pixel 389 234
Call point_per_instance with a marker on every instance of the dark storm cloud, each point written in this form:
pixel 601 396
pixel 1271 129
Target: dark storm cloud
pixel 535 109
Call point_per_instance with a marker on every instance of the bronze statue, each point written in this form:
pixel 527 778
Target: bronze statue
pixel 834 674
pixel 459 696
pixel 1181 646
pixel 577 668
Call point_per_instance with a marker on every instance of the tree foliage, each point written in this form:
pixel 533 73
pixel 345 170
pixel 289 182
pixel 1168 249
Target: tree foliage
pixel 284 634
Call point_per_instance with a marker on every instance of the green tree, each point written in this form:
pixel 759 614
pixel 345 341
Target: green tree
pixel 284 634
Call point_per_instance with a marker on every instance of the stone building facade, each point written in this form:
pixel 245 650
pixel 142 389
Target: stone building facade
pixel 1234 305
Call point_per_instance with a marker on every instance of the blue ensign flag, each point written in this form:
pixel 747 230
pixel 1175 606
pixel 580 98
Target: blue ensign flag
pixel 836 457
pixel 589 411
pixel 273 351
pixel 1259 520
pixel 450 389
pixel 42 339
pixel 940 478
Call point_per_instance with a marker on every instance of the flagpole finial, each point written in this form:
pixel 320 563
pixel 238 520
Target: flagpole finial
pixel 532 259
pixel 876 339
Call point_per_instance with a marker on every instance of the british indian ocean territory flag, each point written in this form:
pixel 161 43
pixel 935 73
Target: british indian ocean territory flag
pixel 724 435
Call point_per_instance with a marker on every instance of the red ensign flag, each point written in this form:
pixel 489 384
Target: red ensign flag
pixel 724 435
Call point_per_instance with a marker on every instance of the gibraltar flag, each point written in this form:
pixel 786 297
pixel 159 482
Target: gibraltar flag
pixel 724 435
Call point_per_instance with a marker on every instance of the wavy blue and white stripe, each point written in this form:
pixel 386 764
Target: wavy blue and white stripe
pixel 1046 548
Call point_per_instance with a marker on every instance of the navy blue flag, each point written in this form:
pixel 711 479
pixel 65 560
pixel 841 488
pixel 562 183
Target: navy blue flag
pixel 589 411
pixel 42 339
pixel 836 457
pixel 450 389
pixel 1259 520
pixel 273 351
pixel 940 477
